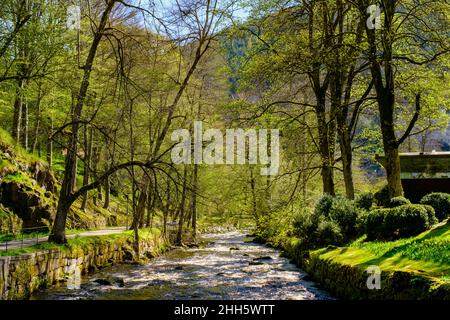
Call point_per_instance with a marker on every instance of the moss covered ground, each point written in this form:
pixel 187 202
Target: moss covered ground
pixel 427 254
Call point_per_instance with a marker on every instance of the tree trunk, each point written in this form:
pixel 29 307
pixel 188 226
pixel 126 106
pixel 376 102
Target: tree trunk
pixel 58 231
pixel 392 161
pixel 182 208
pixel 194 201
pixel 326 149
pixel 88 133
pixel 107 193
pixel 150 205
pixel 25 125
pixel 141 206
pixel 17 117
pixel 167 208
pixel 253 190
pixel 50 146
pixel 38 121
pixel 382 71
pixel 346 154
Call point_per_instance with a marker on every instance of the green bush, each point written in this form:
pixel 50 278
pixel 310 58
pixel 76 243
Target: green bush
pixel 344 212
pixel 406 221
pixel 361 222
pixel 333 221
pixel 382 197
pixel 398 201
pixel 304 225
pixel 329 232
pixel 323 206
pixel 440 202
pixel 375 224
pixel 400 222
pixel 432 220
pixel 364 200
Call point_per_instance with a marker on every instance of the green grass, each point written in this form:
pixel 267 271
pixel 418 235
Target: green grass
pixel 7 142
pixel 427 254
pixel 40 234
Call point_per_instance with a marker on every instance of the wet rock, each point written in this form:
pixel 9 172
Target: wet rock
pixel 179 268
pixel 109 281
pixel 103 281
pixel 265 258
pixel 255 263
pixel 120 282
pixel 234 248
pixel 221 274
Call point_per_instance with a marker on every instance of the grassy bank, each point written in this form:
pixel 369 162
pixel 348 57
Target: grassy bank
pixel 412 268
pixel 81 242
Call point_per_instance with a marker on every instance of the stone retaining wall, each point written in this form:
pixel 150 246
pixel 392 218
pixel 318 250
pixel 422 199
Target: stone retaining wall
pixel 23 274
pixel 350 282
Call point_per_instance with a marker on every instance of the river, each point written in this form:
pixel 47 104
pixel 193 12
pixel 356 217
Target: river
pixel 229 267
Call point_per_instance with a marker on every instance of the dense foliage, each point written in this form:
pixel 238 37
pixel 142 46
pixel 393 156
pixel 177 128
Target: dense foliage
pixel 440 203
pixel 399 222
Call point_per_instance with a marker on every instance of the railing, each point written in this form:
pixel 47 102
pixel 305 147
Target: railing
pixel 17 238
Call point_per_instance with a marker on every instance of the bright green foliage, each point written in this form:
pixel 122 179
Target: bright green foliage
pixel 398 201
pixel 329 232
pixel 440 202
pixel 432 220
pixel 375 223
pixel 382 197
pixel 364 200
pixel 399 222
pixel 333 218
pixel 344 213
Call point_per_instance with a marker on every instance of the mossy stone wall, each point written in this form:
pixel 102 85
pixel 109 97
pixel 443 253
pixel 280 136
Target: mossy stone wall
pixel 23 274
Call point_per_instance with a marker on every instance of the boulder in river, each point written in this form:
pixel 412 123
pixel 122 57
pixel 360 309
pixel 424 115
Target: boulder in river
pixel 265 258
pixel 255 263
pixel 109 281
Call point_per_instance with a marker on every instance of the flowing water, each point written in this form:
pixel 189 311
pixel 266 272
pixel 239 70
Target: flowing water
pixel 229 267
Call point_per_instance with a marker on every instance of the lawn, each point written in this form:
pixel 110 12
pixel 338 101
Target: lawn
pixel 426 254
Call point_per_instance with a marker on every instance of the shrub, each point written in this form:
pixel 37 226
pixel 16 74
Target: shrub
pixel 323 206
pixel 304 225
pixel 364 200
pixel 329 232
pixel 440 202
pixel 344 212
pixel 398 201
pixel 382 197
pixel 432 220
pixel 375 224
pixel 361 222
pixel 406 221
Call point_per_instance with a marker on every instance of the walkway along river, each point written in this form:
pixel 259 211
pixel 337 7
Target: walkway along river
pixel 229 267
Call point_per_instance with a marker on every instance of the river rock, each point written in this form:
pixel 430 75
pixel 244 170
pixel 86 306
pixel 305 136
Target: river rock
pixel 265 258
pixel 255 263
pixel 109 281
pixel 103 282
